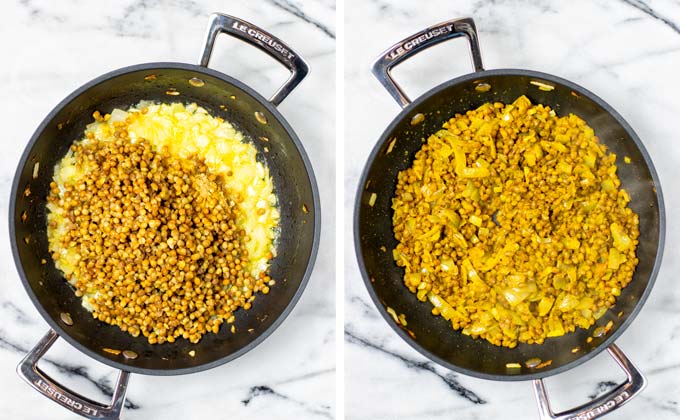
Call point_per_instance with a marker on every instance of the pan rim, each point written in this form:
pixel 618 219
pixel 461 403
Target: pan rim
pixel 509 72
pixel 53 324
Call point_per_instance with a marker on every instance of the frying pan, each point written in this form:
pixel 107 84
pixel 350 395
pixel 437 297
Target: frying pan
pixel 433 336
pixel 294 186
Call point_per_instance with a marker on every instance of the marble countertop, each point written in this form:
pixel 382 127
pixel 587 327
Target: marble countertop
pixel 51 48
pixel 627 52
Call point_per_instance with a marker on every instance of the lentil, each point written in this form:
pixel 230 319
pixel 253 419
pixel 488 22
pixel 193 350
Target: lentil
pixel 150 240
pixel 512 223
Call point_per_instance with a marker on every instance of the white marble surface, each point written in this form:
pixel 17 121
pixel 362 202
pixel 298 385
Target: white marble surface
pixel 50 48
pixel 627 52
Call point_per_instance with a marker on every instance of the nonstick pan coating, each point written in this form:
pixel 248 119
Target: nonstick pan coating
pixel 433 336
pixel 294 186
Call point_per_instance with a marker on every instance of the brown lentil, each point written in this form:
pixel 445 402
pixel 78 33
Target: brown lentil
pixel 159 249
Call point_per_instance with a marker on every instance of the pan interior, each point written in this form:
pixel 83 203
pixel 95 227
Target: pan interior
pixel 433 335
pixel 221 96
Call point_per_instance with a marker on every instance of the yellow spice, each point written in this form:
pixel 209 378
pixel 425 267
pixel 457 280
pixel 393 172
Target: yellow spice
pixel 512 223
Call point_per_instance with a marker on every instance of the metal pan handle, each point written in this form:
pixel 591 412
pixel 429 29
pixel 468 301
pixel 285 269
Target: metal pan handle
pixel 599 407
pixel 29 371
pixel 253 35
pixel 418 42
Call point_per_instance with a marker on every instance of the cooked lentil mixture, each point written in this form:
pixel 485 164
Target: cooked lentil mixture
pixel 512 222
pixel 152 240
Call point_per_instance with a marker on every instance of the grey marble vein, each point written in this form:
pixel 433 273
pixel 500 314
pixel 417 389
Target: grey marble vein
pixel 649 11
pixel 387 8
pixel 37 12
pixel 264 390
pixel 669 406
pixel 366 309
pixel 601 388
pixel 297 12
pixel 449 378
pixel 305 376
pixel 662 369
pixel 19 315
pixel 134 20
pixel 609 67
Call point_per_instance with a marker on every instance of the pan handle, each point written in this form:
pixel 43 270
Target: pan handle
pixel 607 403
pixel 253 35
pixel 29 371
pixel 418 42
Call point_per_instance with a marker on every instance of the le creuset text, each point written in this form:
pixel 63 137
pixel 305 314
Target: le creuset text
pixel 56 395
pixel 264 38
pixel 414 42
pixel 619 399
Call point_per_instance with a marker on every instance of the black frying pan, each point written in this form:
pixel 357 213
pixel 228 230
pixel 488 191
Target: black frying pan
pixel 433 336
pixel 294 186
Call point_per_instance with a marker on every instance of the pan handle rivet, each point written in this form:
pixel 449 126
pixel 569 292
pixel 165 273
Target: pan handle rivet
pixel 129 354
pixel 66 318
pixel 260 117
pixel 532 363
pixel 483 87
pixel 196 82
pixel 417 119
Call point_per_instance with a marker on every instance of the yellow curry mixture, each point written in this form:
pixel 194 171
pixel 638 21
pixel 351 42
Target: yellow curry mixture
pixel 512 222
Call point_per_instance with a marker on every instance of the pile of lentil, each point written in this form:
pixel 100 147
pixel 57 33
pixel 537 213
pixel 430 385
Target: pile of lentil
pixel 159 252
pixel 512 222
